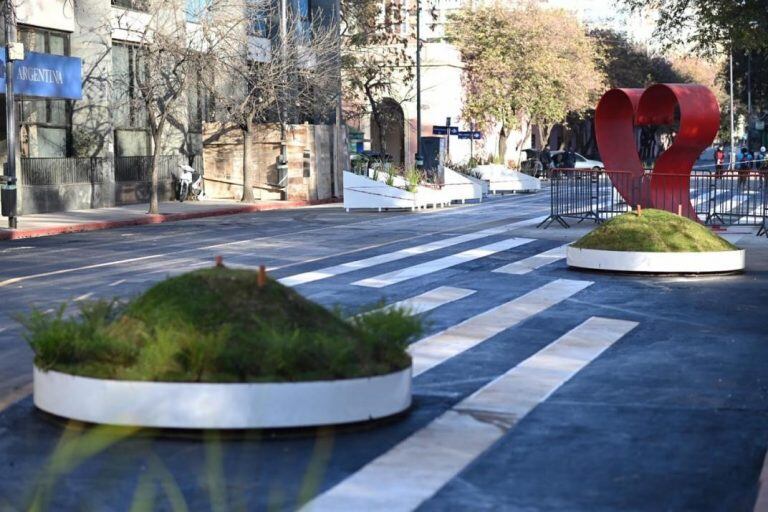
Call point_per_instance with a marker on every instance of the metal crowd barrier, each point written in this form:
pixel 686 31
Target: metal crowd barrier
pixel 723 198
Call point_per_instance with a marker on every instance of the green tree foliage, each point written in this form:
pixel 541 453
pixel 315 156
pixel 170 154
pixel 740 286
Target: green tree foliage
pixel 759 69
pixel 524 65
pixel 710 24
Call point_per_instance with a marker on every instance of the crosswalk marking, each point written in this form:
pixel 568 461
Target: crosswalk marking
pixel 534 262
pixel 761 504
pixel 429 267
pixel 432 299
pixel 438 348
pixel 335 270
pixel 413 471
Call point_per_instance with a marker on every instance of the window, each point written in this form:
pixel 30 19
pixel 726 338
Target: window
pixel 130 116
pixel 46 125
pixel 136 5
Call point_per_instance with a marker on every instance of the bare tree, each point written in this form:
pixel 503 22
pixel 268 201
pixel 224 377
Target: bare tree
pixel 268 72
pixel 170 51
pixel 378 61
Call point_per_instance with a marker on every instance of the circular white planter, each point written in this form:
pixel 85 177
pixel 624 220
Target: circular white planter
pixel 221 406
pixel 656 262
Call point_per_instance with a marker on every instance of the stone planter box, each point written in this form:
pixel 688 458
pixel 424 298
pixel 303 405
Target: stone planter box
pixel 221 406
pixel 656 262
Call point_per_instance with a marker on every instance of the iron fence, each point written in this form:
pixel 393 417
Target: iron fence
pixel 66 171
pixel 717 198
pixel 61 171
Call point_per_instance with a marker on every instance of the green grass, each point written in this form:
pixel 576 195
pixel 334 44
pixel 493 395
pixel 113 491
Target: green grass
pixel 653 231
pixel 217 325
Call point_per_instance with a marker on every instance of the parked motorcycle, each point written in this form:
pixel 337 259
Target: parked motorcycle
pixel 189 183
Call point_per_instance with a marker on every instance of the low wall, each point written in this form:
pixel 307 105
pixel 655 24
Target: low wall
pixel 310 162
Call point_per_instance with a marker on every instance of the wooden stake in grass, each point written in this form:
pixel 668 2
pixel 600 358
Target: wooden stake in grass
pixel 680 210
pixel 219 261
pixel 639 210
pixel 261 278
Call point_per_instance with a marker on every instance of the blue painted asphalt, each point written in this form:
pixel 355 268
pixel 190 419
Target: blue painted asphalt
pixel 672 417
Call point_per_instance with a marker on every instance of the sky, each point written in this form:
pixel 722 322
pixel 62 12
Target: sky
pixel 606 14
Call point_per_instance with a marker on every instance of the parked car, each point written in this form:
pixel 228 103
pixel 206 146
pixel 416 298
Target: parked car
pixel 531 165
pixel 582 162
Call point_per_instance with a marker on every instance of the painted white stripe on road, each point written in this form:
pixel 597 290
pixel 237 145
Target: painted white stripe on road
pixel 324 273
pixel 406 476
pixel 430 267
pixel 432 299
pixel 438 348
pixel 86 267
pixel 761 505
pixel 534 262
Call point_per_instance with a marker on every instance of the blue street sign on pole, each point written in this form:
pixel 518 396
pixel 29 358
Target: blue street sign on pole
pixel 445 130
pixel 41 75
pixel 470 135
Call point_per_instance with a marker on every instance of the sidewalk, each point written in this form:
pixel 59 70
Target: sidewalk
pixel 76 221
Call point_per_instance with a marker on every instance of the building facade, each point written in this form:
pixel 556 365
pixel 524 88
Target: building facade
pixel 95 152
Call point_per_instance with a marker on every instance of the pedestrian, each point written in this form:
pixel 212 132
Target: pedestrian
pixel 745 165
pixel 762 159
pixel 569 159
pixel 546 162
pixel 719 161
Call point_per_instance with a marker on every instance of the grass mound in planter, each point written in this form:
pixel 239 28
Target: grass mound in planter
pixel 653 231
pixel 217 325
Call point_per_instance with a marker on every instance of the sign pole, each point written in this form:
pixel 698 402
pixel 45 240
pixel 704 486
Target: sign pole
pixel 9 188
pixel 472 142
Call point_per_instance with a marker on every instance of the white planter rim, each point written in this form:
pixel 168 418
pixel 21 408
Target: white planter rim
pixel 202 405
pixel 657 262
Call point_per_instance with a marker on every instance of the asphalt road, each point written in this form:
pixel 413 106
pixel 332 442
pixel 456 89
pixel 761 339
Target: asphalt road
pixel 671 416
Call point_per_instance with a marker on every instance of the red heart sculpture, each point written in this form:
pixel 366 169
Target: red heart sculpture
pixel 617 114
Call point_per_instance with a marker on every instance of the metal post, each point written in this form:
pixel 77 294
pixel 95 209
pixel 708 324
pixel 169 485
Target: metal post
pixel 419 156
pixel 10 117
pixel 749 84
pixel 448 138
pixel 733 135
pixel 283 108
pixel 472 141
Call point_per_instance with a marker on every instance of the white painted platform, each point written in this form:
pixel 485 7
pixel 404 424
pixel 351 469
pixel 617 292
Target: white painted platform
pixel 221 406
pixel 460 187
pixel 361 192
pixel 502 180
pixel 656 262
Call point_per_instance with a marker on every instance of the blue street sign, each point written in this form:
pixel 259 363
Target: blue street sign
pixel 42 75
pixel 444 130
pixel 470 135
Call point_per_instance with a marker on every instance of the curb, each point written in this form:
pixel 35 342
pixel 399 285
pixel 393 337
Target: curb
pixel 18 234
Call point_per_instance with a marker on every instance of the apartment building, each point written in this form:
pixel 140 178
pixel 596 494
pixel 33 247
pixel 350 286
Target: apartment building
pixel 94 152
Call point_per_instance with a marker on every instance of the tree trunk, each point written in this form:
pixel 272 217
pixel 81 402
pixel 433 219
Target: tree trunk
pixel 503 135
pixel 247 167
pixel 546 130
pixel 154 203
